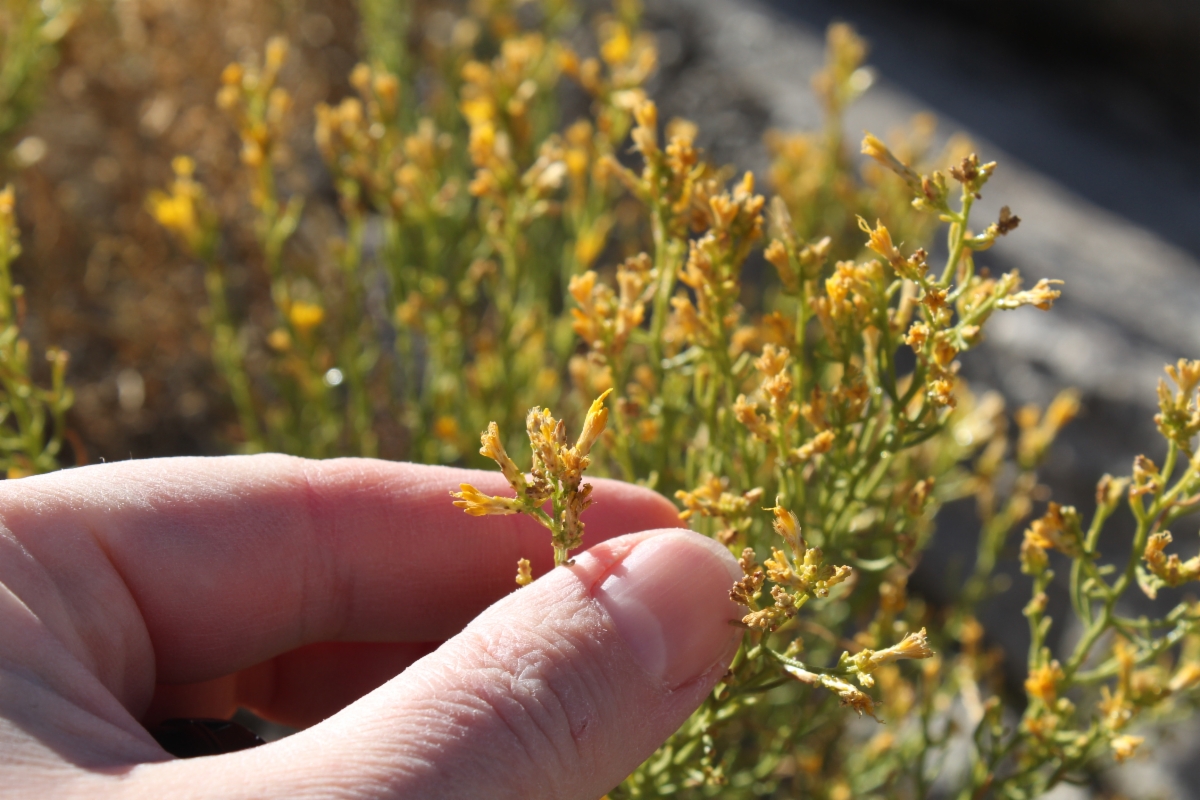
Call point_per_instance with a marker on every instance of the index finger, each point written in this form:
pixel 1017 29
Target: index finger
pixel 231 561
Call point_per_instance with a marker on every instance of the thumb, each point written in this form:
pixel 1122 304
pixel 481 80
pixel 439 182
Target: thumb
pixel 559 690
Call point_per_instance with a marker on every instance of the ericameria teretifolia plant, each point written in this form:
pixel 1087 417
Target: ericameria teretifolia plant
pixel 489 255
pixel 836 433
pixel 555 478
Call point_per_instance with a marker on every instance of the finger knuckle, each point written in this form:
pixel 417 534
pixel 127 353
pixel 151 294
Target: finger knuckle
pixel 545 693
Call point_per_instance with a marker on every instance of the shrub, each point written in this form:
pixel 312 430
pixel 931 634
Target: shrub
pixel 517 228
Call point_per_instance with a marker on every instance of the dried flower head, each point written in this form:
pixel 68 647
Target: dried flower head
pixel 1179 412
pixel 1125 745
pixel 1042 296
pixel 1165 570
pixel 847 693
pixel 556 476
pixel 1043 681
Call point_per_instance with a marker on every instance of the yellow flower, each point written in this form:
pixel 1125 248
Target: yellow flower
pixel 360 77
pixel 232 74
pixel 779 569
pixel 1171 569
pixel 788 527
pixel 493 448
pixel 1042 682
pixel 478 504
pixel 747 414
pixel 557 474
pixel 847 693
pixel 482 142
pixel 279 339
pixel 1186 375
pixel 616 48
pixel 174 212
pixel 1041 296
pixel 645 135
pixel 912 646
pixel 183 166
pixel 593 425
pixel 773 360
pixel 277 50
pixel 872 146
pixel 577 162
pixel 1187 677
pixel 590 243
pixel 445 428
pixel 305 316
pixel 880 240
pixel 1125 745
pixel 776 253
pixel 819 444
pixel 408 312
pixel 917 336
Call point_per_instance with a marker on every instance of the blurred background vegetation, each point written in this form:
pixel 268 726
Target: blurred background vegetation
pixel 133 86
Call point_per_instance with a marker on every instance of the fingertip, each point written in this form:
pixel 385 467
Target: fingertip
pixel 587 670
pixel 667 593
pixel 593 564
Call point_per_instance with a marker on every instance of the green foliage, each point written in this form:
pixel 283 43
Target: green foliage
pixel 29 31
pixel 493 255
pixel 32 418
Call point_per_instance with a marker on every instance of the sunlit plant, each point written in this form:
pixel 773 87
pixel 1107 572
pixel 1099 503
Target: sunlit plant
pixel 494 255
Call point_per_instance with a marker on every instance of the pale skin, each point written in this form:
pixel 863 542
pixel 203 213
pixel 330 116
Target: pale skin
pixel 351 600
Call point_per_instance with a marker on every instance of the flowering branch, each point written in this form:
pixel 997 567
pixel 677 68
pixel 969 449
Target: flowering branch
pixel 556 477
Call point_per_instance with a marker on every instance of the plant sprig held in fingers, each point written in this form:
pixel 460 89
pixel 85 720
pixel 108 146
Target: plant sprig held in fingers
pixel 555 477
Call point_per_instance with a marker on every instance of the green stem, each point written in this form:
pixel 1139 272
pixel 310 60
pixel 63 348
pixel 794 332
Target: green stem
pixel 664 262
pixel 957 239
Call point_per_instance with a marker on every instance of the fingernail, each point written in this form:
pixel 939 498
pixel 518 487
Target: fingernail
pixel 669 600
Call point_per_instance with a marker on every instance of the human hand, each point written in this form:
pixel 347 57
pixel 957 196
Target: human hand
pixel 135 592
